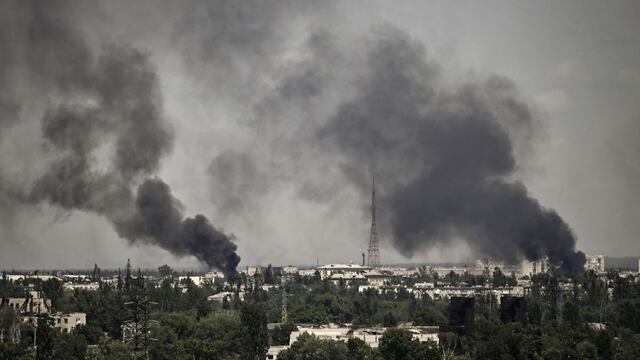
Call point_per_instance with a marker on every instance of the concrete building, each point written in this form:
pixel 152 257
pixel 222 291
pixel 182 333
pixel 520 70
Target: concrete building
pixel 446 270
pixel 424 285
pixel 377 278
pixel 274 351
pixel 290 270
pixel 20 277
pixel 32 304
pixel 488 265
pixel 307 272
pixel 595 263
pixel 534 267
pixel 324 332
pixel 449 292
pixel 347 278
pixel 68 322
pixel 212 275
pixel 197 280
pixel 79 286
pixel 220 297
pixel 370 336
pixel 346 269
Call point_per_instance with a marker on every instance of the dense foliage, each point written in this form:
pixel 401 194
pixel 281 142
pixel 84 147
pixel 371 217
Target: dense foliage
pixel 593 317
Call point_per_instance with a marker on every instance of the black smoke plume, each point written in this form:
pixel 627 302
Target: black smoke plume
pixel 446 158
pixel 106 105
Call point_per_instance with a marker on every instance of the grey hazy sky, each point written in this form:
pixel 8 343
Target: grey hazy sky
pixel 237 78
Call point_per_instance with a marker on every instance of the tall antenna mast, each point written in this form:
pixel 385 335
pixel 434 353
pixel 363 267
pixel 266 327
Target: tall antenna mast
pixel 373 251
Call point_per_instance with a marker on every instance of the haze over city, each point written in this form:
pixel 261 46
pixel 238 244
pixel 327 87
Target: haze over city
pixel 493 129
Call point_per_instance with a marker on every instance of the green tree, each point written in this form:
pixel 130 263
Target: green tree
pixel 571 314
pixel 398 344
pixel 389 320
pixel 165 270
pixel 69 346
pixel 45 338
pixel 499 279
pixel 280 334
pixel 587 351
pixel 359 350
pixel 308 347
pixel 256 337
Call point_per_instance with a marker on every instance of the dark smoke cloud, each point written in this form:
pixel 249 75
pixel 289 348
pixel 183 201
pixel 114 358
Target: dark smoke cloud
pixel 107 106
pixel 445 158
pixel 158 219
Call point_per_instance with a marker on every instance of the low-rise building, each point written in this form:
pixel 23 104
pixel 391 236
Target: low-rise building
pixel 94 286
pixel 377 278
pixel 290 270
pixel 228 295
pixel 346 269
pixel 370 336
pixel 595 263
pixel 20 277
pixel 274 351
pixel 67 323
pixel 324 332
pixel 34 303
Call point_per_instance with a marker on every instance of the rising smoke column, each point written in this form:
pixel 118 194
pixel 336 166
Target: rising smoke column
pixel 445 158
pixel 107 105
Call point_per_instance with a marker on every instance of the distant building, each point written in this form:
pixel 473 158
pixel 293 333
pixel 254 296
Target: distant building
pixel 20 277
pixel 212 275
pixel 274 351
pixel 346 269
pixel 88 287
pixel 377 278
pixel 488 265
pixel 534 267
pixel 322 332
pixel 252 270
pixel 346 278
pixel 290 270
pixel 228 295
pixel 595 263
pixel 307 272
pixel 446 270
pixel 32 304
pixel 68 322
pixel 424 285
pixel 197 280
pixel 370 336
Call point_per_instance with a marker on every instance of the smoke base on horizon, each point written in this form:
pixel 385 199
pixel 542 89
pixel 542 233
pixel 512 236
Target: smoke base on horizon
pixel 104 135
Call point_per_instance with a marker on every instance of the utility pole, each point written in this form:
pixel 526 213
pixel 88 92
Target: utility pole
pixel 136 331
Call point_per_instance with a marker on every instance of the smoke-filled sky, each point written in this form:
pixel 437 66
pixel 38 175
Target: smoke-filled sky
pixel 494 129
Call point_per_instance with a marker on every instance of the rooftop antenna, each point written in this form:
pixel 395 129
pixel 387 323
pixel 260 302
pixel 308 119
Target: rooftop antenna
pixel 373 251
